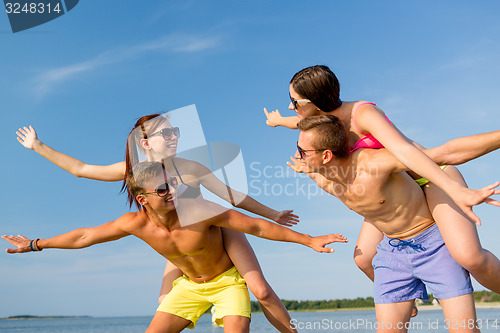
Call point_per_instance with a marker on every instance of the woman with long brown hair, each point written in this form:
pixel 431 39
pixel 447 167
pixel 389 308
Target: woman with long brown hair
pixel 154 137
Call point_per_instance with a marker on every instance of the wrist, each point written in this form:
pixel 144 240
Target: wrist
pixel 308 240
pixel 34 245
pixel 37 144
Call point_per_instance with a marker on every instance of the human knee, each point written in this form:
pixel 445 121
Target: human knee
pixel 261 291
pixel 472 261
pixel 363 262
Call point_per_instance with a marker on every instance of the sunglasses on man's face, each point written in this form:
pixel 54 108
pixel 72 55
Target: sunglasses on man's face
pixel 162 190
pixel 167 133
pixel 295 102
pixel 302 152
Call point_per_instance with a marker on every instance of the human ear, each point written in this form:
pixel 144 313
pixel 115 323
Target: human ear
pixel 145 144
pixel 141 199
pixel 327 156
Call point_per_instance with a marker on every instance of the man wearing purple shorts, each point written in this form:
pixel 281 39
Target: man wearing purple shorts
pixel 412 255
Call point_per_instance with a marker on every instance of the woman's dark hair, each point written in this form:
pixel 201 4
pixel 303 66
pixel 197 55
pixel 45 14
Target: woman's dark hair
pixel 138 133
pixel 319 85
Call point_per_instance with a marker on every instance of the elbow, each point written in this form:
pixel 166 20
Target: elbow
pixel 77 172
pixel 452 159
pixel 257 231
pixel 83 240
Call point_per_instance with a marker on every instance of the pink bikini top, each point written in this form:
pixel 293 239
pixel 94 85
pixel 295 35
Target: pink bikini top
pixel 368 141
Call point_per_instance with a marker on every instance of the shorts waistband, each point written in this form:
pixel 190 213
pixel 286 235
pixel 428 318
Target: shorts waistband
pixel 229 271
pixel 414 242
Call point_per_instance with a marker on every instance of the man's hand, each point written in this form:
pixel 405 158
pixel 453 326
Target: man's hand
pixel 273 118
pixel 318 243
pixel 27 137
pixel 22 243
pixel 297 166
pixel 286 218
pixel 469 198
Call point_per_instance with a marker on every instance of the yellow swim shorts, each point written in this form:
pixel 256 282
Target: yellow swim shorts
pixel 422 181
pixel 227 292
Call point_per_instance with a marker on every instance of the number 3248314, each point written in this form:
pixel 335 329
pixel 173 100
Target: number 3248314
pixel 31 8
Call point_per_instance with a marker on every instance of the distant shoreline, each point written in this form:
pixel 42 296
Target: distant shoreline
pixel 42 317
pixel 483 305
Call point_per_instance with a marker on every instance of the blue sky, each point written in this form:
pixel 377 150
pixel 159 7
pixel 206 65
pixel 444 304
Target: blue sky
pixel 83 79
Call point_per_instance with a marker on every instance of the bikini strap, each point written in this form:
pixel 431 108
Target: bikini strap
pixel 354 114
pixel 177 171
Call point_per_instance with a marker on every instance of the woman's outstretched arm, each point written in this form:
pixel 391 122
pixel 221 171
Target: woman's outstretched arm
pixel 114 172
pixel 370 119
pixel 274 118
pixel 238 199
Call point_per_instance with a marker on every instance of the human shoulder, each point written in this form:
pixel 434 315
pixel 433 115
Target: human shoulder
pixel 189 166
pixel 130 221
pixel 361 109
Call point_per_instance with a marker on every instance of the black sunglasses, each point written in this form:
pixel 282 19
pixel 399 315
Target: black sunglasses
pixel 162 190
pixel 167 133
pixel 303 151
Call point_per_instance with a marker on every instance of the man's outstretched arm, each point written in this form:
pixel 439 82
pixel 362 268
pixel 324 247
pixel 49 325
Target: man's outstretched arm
pixel 75 239
pixel 265 229
pixel 464 149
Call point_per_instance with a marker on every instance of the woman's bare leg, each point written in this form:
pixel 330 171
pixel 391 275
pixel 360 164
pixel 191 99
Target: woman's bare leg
pixel 169 275
pixel 460 235
pixel 366 248
pixel 243 257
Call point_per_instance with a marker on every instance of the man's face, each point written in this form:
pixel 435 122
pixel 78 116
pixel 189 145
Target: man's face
pixel 311 157
pixel 160 195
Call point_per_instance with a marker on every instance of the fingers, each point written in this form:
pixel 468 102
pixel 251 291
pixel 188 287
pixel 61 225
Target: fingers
pixel 492 186
pixel 338 238
pixel 16 240
pixel 472 216
pixel 20 137
pixel 493 202
pixel 324 249
pixel 267 113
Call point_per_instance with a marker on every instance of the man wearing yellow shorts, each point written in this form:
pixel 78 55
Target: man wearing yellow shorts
pixel 195 246
pixel 189 300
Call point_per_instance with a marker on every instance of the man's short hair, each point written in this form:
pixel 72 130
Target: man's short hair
pixel 330 134
pixel 137 179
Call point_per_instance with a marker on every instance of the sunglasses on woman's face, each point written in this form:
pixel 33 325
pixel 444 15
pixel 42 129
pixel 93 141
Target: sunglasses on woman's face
pixel 167 133
pixel 295 102
pixel 162 190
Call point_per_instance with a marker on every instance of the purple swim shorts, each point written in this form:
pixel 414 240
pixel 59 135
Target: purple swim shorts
pixel 403 268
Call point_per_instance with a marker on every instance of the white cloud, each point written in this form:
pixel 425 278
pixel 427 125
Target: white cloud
pixel 45 82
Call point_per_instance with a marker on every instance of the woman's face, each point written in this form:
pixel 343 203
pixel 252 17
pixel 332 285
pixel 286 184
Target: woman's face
pixel 162 142
pixel 303 109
